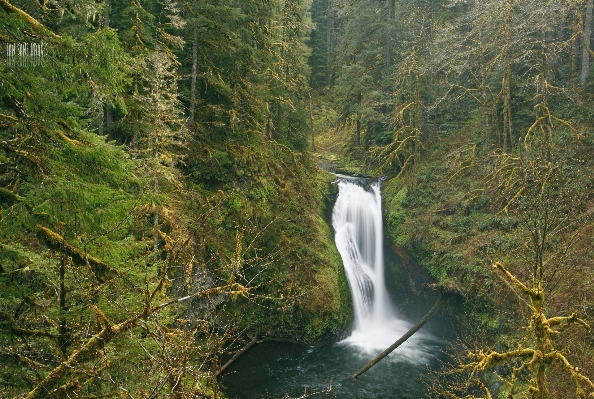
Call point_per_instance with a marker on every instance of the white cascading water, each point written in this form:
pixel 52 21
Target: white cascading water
pixel 357 222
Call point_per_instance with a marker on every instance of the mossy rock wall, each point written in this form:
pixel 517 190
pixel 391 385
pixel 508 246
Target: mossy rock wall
pixel 308 272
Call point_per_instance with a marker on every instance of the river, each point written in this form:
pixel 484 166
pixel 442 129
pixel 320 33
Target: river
pixel 284 370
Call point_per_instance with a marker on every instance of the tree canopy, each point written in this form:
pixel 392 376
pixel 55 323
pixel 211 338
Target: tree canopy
pixel 478 116
pixel 152 164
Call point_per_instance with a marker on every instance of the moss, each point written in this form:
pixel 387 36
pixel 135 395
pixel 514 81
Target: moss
pixel 8 198
pixel 328 309
pixel 55 241
pixel 67 139
pixel 396 215
pixel 317 307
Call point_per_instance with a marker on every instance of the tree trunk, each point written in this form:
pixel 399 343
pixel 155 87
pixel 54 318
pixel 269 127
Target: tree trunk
pixel 106 116
pixel 358 129
pixel 329 28
pixel 574 55
pixel 547 128
pixel 193 77
pixel 311 123
pixel 485 98
pixel 106 15
pixel 388 52
pixel 63 340
pixel 416 143
pixel 157 207
pixel 508 126
pixel 585 53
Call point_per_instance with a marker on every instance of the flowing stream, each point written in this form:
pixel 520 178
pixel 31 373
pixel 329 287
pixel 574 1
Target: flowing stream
pixel 283 370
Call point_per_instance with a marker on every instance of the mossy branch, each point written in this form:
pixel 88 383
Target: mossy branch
pixel 23 359
pixel 233 289
pixel 9 117
pixel 14 147
pixel 57 242
pixel 567 321
pixel 67 139
pixel 512 279
pixel 485 389
pixel 46 386
pixel 394 155
pixel 109 331
pixel 576 376
pixel 7 318
pixel 7 197
pixel 467 91
pixel 490 359
pixel 9 8
pixel 464 164
pixel 538 358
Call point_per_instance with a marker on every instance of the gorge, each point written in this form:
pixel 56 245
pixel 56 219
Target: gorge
pixel 274 369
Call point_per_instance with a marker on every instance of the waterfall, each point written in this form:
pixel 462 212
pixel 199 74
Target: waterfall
pixel 357 221
pixel 358 226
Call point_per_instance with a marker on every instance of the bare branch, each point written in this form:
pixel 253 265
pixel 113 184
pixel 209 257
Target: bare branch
pixel 517 283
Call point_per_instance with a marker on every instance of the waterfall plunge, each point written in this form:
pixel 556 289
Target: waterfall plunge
pixel 357 222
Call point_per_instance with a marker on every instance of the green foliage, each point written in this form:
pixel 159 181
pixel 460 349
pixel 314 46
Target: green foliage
pixel 214 170
pixel 142 247
pixel 107 68
pixel 397 217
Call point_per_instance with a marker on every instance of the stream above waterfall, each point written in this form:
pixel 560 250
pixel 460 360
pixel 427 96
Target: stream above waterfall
pixel 286 370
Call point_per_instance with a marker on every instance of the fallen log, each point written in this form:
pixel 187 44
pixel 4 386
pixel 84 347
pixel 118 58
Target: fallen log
pixel 237 354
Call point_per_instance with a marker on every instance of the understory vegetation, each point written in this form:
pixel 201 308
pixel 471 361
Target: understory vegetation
pixel 159 210
pixel 478 115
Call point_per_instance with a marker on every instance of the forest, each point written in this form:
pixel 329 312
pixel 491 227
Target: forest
pixel 165 195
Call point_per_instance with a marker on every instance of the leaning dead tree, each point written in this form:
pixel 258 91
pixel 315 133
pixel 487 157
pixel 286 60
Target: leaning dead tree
pixel 447 291
pixel 402 339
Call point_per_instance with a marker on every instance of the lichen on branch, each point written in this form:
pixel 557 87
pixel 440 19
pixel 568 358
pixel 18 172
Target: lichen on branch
pixel 536 353
pixel 9 8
